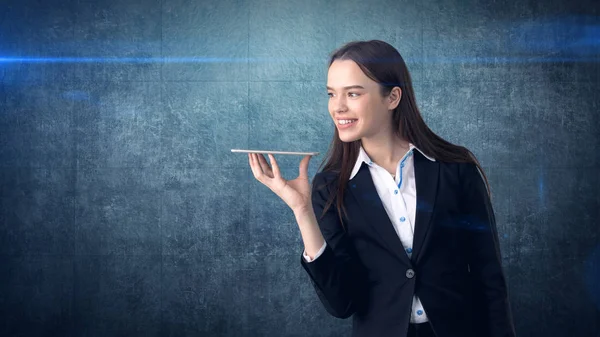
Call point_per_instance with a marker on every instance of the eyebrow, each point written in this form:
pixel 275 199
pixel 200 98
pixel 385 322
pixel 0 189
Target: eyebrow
pixel 348 87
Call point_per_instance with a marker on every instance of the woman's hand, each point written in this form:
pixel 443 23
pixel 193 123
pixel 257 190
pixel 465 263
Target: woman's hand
pixel 295 193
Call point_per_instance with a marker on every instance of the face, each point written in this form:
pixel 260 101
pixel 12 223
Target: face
pixel 362 101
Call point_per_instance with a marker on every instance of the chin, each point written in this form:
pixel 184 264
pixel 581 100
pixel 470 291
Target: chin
pixel 347 138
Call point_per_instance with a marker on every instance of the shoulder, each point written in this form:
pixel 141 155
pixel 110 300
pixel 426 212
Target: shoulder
pixel 454 171
pixel 325 179
pixel 458 175
pixel 468 173
pixel 326 176
pixel 466 168
pixel 471 178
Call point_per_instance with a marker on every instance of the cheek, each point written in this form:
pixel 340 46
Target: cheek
pixel 364 110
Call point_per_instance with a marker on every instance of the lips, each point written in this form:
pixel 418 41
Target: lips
pixel 346 119
pixel 347 125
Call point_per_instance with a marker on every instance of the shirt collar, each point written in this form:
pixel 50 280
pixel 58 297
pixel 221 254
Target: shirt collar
pixel 363 157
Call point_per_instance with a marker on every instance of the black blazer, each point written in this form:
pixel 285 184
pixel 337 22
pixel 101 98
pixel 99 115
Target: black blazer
pixel 455 268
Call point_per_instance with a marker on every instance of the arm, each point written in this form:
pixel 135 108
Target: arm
pixel 335 274
pixel 485 262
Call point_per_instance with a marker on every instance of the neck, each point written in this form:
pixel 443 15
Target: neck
pixel 385 151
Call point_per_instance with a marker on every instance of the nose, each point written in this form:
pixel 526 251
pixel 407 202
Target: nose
pixel 339 104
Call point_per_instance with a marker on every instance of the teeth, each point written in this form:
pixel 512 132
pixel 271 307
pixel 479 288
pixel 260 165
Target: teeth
pixel 347 121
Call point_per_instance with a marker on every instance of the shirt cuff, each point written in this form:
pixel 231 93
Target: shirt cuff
pixel 308 259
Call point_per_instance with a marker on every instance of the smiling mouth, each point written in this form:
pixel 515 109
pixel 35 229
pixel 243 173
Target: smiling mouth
pixel 346 123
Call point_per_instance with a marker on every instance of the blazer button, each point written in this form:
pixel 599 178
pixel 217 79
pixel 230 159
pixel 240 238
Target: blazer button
pixel 410 273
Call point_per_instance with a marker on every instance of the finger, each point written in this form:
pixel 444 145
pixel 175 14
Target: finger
pixel 264 165
pixel 256 170
pixel 304 166
pixel 263 177
pixel 276 171
pixel 251 161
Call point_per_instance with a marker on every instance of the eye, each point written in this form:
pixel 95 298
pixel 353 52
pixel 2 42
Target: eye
pixel 350 93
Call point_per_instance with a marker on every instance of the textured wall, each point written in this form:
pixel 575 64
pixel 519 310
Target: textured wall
pixel 123 211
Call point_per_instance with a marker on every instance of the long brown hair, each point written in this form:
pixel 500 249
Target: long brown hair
pixel 382 63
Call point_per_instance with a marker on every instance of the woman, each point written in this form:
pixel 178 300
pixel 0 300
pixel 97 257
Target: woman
pixel 411 247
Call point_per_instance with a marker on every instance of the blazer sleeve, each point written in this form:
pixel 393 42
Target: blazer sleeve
pixel 336 275
pixel 485 261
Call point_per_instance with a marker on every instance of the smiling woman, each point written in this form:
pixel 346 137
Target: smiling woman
pixel 378 255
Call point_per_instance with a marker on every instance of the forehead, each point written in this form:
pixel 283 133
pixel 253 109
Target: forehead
pixel 346 72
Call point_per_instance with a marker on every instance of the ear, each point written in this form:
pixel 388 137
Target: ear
pixel 394 98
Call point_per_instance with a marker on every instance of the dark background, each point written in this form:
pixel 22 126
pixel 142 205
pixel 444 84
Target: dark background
pixel 124 213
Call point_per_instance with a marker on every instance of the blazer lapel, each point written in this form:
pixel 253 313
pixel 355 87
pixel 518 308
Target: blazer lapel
pixel 426 181
pixel 363 190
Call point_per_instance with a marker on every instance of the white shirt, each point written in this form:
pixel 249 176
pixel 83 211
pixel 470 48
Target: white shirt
pixel 399 198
